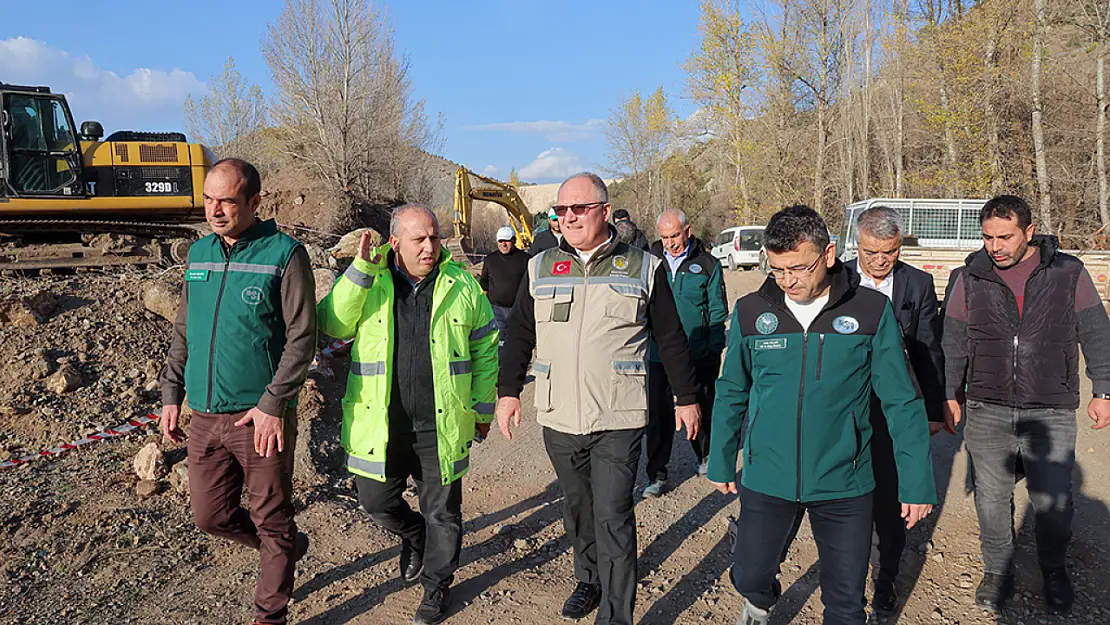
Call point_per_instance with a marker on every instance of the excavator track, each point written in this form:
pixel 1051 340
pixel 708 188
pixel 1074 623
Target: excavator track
pixel 39 244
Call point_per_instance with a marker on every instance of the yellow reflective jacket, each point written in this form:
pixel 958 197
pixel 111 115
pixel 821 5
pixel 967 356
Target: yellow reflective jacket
pixel 464 361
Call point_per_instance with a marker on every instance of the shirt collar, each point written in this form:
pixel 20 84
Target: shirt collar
pixel 685 252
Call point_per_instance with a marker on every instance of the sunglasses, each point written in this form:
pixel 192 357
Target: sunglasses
pixel 577 209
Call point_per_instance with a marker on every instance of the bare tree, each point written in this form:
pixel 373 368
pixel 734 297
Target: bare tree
pixel 638 134
pixel 1043 182
pixel 228 117
pixel 344 99
pixel 1093 16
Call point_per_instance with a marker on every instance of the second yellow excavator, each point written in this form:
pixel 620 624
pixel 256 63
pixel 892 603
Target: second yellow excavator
pixel 497 192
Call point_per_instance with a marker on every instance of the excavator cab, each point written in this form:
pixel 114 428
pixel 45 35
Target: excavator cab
pixel 39 151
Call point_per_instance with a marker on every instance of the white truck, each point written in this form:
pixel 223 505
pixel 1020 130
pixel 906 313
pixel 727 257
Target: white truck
pixel 942 233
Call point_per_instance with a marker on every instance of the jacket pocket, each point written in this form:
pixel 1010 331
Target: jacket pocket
pixel 858 439
pixel 623 302
pixel 552 303
pixel 629 385
pixel 541 369
pixel 748 442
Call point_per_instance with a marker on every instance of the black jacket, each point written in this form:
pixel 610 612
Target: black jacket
pixel 1028 358
pixel 630 233
pixel 916 307
pixel 412 406
pixel 501 274
pixel 544 240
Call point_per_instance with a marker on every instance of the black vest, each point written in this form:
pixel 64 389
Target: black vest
pixel 1031 359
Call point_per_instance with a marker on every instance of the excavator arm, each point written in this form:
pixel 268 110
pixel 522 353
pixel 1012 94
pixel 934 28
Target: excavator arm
pixel 520 218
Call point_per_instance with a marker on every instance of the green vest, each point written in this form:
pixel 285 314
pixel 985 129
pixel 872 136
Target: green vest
pixel 464 361
pixel 236 331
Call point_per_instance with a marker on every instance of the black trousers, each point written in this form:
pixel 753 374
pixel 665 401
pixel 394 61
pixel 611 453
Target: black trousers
pixel 597 473
pixel 842 531
pixel 660 429
pixel 437 529
pixel 890 528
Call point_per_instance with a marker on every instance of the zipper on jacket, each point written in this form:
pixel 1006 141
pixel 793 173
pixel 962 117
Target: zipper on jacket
pixel 820 354
pixel 215 320
pixel 1013 371
pixel 801 394
pixel 578 358
pixel 751 429
pixel 859 443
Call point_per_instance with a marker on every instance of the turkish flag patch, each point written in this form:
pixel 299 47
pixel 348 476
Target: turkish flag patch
pixel 561 268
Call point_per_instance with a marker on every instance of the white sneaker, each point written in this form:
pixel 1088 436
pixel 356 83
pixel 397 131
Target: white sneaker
pixel 752 615
pixel 655 489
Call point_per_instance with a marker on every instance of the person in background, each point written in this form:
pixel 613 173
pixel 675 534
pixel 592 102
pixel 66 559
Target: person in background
pixel 699 294
pixel 1015 318
pixel 242 376
pixel 627 230
pixel 549 237
pixel 500 279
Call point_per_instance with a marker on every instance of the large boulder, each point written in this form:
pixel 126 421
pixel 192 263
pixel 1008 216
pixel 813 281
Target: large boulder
pixel 161 299
pixel 348 245
pixel 149 463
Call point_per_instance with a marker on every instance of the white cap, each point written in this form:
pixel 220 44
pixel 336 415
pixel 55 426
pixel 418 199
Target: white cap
pixel 505 233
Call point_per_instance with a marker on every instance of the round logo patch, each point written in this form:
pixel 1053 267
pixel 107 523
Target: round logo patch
pixel 695 268
pixel 845 325
pixel 620 262
pixel 252 295
pixel 767 323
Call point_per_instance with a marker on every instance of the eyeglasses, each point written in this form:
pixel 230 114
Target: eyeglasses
pixel 794 272
pixel 578 209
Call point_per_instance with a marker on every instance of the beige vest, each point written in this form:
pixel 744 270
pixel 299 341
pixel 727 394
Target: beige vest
pixel 592 338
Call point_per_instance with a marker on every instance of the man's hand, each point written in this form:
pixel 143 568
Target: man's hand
pixel 725 488
pixel 171 431
pixel 508 409
pixel 691 417
pixel 1099 412
pixel 268 438
pixel 481 431
pixel 366 249
pixel 914 512
pixel 951 415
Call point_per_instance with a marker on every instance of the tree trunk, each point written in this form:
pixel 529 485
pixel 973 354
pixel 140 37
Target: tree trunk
pixel 819 166
pixel 1043 182
pixel 950 142
pixel 865 152
pixel 994 143
pixel 1100 134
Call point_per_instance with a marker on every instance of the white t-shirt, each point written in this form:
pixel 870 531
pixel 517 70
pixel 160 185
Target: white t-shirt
pixel 586 255
pixel 806 312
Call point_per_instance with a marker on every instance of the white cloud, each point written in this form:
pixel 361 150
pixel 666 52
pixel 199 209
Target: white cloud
pixel 554 131
pixel 491 171
pixel 145 99
pixel 551 166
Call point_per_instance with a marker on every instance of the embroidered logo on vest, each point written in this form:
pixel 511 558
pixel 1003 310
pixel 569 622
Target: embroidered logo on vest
pixel 252 295
pixel 767 323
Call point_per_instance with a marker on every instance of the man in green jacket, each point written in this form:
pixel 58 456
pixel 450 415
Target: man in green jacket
pixel 804 354
pixel 243 339
pixel 699 294
pixel 423 374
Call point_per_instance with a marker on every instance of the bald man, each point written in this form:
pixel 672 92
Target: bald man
pixel 422 378
pixel 699 294
pixel 243 377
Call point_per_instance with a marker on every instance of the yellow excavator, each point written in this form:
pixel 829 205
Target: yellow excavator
pixel 461 244
pixel 69 199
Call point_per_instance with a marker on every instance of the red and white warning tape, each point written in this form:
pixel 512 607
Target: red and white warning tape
pixel 337 347
pixel 119 430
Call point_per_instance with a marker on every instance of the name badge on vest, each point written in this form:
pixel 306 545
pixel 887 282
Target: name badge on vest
pixel 196 275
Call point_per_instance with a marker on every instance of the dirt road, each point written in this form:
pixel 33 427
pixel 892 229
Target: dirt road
pixel 78 546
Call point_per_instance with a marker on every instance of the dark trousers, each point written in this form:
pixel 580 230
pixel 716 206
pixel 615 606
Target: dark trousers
pixel 660 429
pixel 221 461
pixel 501 318
pixel 597 473
pixel 842 531
pixel 890 528
pixel 435 531
pixel 997 437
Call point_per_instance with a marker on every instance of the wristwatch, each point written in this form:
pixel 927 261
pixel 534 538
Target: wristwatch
pixel 1102 396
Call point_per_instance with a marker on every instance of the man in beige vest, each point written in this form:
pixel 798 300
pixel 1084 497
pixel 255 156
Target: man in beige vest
pixel 587 307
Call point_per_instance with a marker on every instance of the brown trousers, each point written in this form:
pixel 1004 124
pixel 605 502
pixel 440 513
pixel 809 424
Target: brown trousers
pixel 221 461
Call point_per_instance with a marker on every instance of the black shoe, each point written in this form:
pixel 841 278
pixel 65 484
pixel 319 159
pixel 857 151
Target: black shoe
pixel 412 562
pixel 300 546
pixel 1058 593
pixel 582 601
pixel 885 598
pixel 433 609
pixel 994 591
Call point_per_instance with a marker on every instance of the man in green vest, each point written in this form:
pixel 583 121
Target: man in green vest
pixel 422 380
pixel 243 339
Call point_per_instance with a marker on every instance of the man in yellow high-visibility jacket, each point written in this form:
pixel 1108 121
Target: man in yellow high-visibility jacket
pixel 423 375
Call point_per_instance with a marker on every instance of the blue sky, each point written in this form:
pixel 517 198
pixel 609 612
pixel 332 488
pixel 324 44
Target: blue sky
pixel 524 84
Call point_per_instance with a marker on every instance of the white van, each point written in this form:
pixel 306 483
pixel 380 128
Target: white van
pixel 739 247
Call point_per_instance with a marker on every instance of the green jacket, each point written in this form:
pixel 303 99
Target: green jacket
pixel 699 295
pixel 233 300
pixel 806 396
pixel 464 361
